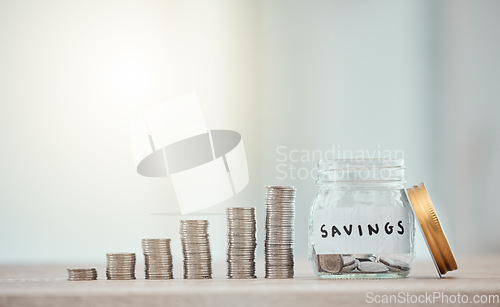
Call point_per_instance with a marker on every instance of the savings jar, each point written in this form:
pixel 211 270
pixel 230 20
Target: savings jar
pixel 361 224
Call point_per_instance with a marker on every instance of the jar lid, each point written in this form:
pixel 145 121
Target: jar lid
pixel 432 230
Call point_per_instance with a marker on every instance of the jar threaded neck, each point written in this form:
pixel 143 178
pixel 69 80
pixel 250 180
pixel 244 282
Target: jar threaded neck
pixel 387 173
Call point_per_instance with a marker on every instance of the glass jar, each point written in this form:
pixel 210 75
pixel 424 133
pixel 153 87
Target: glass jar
pixel 361 224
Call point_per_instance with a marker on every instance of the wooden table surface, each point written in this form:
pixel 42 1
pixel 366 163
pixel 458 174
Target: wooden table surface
pixel 478 278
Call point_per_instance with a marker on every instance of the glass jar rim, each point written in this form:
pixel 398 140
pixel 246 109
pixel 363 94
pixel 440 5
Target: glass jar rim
pixel 376 171
pixel 374 162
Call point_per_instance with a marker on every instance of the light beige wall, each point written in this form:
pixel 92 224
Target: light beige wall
pixel 401 75
pixel 73 75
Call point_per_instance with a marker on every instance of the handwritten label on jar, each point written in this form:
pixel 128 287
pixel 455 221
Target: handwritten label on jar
pixel 361 230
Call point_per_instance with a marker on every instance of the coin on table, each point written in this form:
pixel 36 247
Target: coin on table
pixel 372 267
pixel 81 274
pixel 394 264
pixel 330 262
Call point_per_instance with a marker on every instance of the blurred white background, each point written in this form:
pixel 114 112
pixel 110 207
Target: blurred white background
pixel 418 76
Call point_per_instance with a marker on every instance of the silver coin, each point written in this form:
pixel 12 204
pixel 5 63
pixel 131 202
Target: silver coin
pixel 157 259
pixel 394 264
pixel 240 259
pixel 233 251
pixel 196 247
pixel 279 246
pixel 241 229
pixel 348 260
pixel 238 269
pixel 196 252
pixel 165 241
pixel 241 243
pixel 194 232
pixel 120 257
pixel 247 262
pixel 197 256
pixel 243 276
pixel 280 276
pixel 372 267
pixel 232 226
pixel 237 244
pixel 155 248
pixel 242 262
pixel 240 274
pixel 350 267
pixel 156 266
pixel 241 251
pixel 153 268
pixel 273 190
pixel 242 235
pixel 284 195
pixel 194 222
pixel 249 212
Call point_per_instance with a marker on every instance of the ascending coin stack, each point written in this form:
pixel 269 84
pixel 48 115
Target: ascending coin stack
pixel 280 217
pixel 241 239
pixel 196 249
pixel 120 266
pixel 157 258
pixel 79 274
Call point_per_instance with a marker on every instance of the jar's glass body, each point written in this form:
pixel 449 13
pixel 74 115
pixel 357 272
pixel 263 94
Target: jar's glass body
pixel 361 223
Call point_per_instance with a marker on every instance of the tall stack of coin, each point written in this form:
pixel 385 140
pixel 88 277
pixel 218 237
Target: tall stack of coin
pixel 241 242
pixel 120 266
pixel 157 258
pixel 196 249
pixel 78 274
pixel 280 217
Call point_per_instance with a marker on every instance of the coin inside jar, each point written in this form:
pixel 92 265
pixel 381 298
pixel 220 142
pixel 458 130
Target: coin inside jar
pixel 350 267
pixel 372 267
pixel 394 264
pixel 348 260
pixel 332 263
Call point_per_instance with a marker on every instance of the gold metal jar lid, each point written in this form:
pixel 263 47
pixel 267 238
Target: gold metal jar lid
pixel 431 228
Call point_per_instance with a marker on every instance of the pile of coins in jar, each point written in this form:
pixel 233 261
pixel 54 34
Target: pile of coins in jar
pixel 336 263
pixel 242 243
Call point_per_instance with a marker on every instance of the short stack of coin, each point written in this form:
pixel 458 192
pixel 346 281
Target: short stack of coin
pixel 280 217
pixel 79 274
pixel 196 249
pixel 242 242
pixel 120 266
pixel 157 258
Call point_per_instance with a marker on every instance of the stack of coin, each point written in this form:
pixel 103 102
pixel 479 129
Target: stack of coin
pixel 120 266
pixel 241 242
pixel 78 274
pixel 280 216
pixel 196 249
pixel 157 258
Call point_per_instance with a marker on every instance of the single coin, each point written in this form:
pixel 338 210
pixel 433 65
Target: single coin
pixel 372 267
pixel 348 260
pixel 366 258
pixel 395 264
pixel 350 267
pixel 330 262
